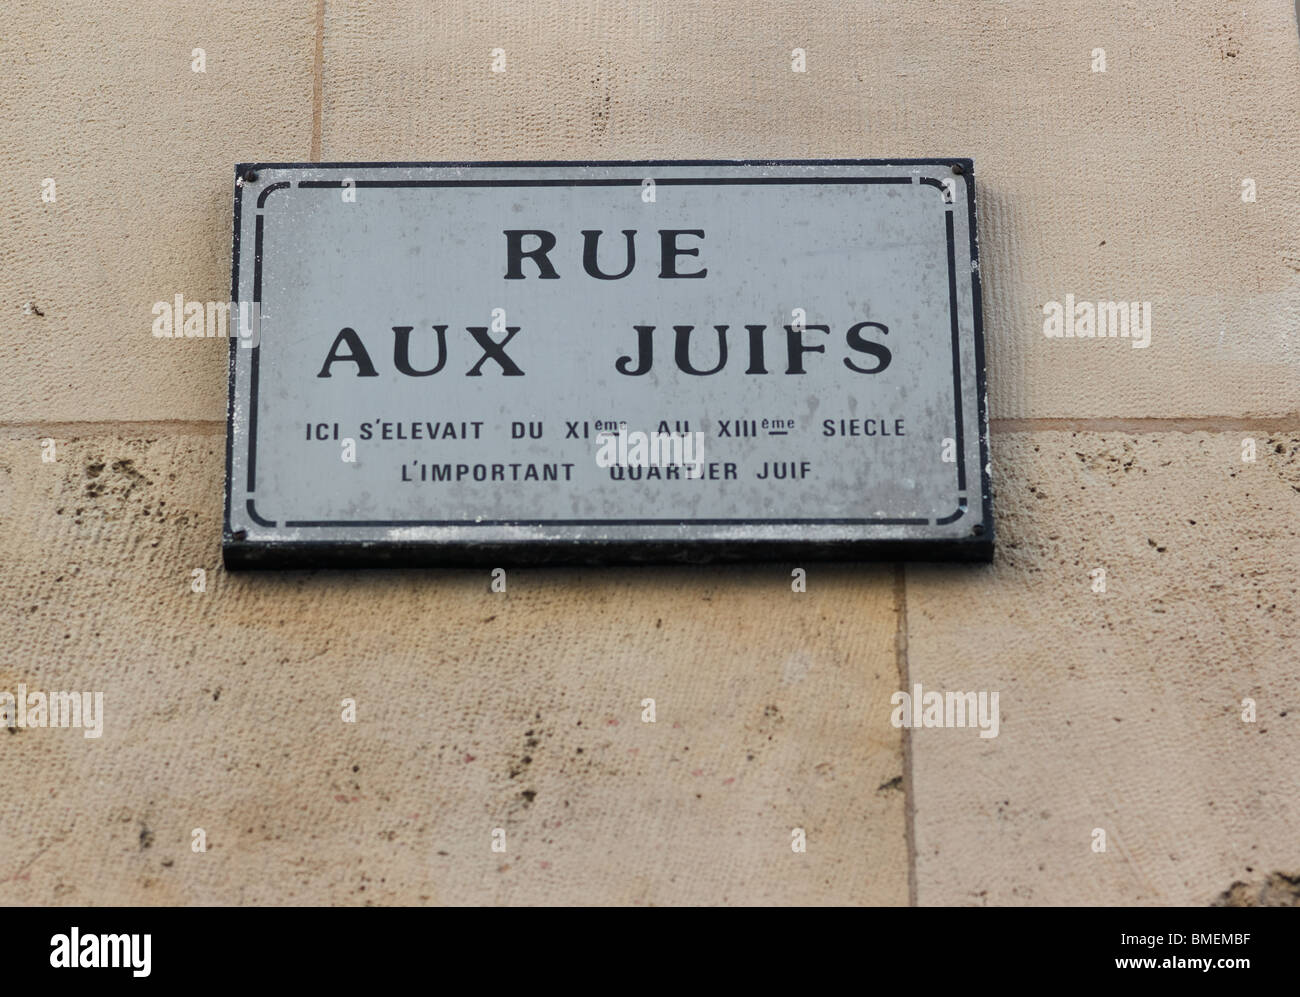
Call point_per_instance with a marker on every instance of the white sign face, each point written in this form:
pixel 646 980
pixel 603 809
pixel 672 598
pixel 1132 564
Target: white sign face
pixel 523 362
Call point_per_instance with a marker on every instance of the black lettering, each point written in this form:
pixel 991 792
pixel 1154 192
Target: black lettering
pixel 756 349
pixel 515 253
pixel 858 342
pixel 356 354
pixel 493 350
pixel 683 351
pixel 402 350
pixel 645 347
pixel 796 348
pixel 591 237
pixel 668 252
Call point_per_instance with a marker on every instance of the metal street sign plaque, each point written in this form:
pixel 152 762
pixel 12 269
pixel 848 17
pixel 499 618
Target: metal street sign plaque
pixel 523 362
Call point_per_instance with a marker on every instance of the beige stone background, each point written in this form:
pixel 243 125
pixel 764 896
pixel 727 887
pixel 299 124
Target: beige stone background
pixel 1120 711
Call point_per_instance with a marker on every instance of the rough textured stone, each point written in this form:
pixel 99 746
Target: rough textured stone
pixel 1275 890
pixel 476 710
pixel 1120 710
pixel 100 97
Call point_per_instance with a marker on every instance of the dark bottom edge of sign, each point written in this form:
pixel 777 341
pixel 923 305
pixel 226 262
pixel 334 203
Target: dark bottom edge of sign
pixel 245 555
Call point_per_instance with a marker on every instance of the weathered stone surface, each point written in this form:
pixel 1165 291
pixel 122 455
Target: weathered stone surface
pixel 1120 710
pixel 476 710
pixel 1278 889
pixel 101 98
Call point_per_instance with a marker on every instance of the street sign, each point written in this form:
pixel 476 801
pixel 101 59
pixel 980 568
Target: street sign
pixel 502 363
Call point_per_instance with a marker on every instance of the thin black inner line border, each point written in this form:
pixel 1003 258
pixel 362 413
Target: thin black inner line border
pixel 611 182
